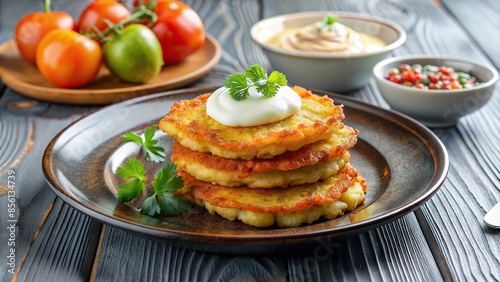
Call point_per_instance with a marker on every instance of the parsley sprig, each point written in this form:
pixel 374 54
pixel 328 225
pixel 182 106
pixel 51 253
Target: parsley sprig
pixel 153 152
pixel 255 76
pixel 328 22
pixel 132 170
pixel 165 183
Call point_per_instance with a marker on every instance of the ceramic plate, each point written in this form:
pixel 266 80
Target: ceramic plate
pixel 404 164
pixel 25 78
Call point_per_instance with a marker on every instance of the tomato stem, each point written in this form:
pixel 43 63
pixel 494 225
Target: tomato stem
pixel 47 6
pixel 150 5
pixel 141 13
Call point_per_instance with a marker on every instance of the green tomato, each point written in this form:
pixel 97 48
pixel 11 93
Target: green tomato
pixel 135 55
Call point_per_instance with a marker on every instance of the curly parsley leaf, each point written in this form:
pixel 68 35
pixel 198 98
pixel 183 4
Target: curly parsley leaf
pixel 163 200
pixel 255 76
pixel 153 152
pixel 132 170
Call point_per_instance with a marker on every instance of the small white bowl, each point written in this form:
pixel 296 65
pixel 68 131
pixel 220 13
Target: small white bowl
pixel 335 72
pixel 436 108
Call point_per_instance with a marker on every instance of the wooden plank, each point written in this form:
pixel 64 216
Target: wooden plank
pixel 127 257
pixel 481 20
pixel 230 22
pixel 455 215
pixel 26 137
pixel 395 251
pixel 64 247
pixel 34 200
pixel 25 119
pixel 29 221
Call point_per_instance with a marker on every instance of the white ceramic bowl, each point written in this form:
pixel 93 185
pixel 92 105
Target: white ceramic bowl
pixel 436 108
pixel 335 72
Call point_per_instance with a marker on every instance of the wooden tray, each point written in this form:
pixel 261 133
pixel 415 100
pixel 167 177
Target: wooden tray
pixel 25 78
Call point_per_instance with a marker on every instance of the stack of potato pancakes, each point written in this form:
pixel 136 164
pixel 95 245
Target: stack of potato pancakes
pixel 285 173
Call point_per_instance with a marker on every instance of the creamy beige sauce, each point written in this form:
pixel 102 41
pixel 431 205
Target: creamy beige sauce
pixel 336 39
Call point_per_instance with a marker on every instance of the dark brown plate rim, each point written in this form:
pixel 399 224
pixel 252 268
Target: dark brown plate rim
pixel 264 241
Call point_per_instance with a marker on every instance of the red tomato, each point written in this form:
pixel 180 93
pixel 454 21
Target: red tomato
pixel 32 27
pixel 408 75
pixel 433 86
pixel 95 13
pixel 421 86
pixel 393 71
pixel 446 86
pixel 395 78
pixel 68 59
pixel 445 70
pixel 433 78
pixel 404 67
pixel 179 29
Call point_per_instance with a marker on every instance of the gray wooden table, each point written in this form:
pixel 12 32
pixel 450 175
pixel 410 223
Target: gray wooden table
pixel 445 239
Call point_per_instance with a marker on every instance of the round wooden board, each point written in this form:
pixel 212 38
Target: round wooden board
pixel 25 78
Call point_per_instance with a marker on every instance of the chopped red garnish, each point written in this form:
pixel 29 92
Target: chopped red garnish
pixel 431 77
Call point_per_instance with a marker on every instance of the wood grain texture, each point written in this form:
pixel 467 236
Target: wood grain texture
pixel 27 127
pixel 126 257
pixel 395 251
pixel 456 213
pixel 17 138
pixel 481 21
pixel 64 248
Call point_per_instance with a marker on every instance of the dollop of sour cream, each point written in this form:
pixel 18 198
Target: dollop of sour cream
pixel 255 110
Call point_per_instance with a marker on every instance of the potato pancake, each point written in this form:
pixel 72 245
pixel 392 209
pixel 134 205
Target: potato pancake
pixel 269 200
pixel 188 123
pixel 343 139
pixel 289 207
pixel 266 179
pixel 308 164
